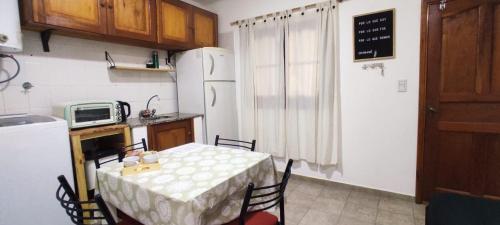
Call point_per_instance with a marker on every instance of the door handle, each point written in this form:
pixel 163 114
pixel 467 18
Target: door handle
pixel 442 5
pixel 432 109
pixel 212 65
pixel 215 95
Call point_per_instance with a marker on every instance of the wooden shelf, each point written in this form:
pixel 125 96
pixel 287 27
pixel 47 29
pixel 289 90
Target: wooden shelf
pixel 131 68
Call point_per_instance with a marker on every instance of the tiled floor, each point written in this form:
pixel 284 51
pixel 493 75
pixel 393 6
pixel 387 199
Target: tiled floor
pixel 314 202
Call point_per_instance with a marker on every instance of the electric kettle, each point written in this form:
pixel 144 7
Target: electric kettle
pixel 124 113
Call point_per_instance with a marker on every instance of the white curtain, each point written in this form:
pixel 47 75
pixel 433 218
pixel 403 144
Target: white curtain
pixel 312 97
pixel 289 85
pixel 262 84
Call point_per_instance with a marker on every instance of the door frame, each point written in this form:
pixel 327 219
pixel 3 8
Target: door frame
pixel 422 102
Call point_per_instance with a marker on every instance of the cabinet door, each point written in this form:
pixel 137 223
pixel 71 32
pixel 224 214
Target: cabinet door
pixel 205 28
pixel 168 135
pixel 132 18
pixel 175 23
pixel 84 15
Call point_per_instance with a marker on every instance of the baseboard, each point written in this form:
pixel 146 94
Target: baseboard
pixel 354 187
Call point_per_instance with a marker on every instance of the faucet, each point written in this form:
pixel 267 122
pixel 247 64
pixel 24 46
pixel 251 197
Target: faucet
pixel 149 113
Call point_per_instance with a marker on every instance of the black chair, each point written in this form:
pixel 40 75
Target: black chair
pixel 120 153
pixel 259 199
pixel 235 143
pixel 82 212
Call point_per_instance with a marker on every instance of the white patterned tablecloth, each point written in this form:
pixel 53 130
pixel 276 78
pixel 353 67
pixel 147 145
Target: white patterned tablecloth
pixel 197 185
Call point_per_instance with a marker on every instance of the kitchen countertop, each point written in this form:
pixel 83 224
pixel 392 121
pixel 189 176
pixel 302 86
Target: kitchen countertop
pixel 171 117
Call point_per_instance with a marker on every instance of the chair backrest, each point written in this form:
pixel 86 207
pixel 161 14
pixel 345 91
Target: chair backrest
pixel 82 212
pixel 263 198
pixel 117 154
pixel 235 143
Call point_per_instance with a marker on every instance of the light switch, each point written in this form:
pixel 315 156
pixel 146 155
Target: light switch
pixel 402 85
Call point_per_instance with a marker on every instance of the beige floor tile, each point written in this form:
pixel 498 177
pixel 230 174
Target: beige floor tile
pixel 351 221
pixel 367 198
pixel 388 218
pixel 314 217
pixel 360 212
pixel 310 188
pixel 396 195
pixel 294 212
pixel 368 190
pixel 299 198
pixel 336 192
pixel 419 211
pixel 419 221
pixel 396 205
pixel 328 205
pixel 311 202
pixel 293 183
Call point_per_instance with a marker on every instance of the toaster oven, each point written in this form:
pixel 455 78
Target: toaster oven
pixel 89 113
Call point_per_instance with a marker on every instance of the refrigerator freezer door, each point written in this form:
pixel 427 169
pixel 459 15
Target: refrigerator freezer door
pixel 218 64
pixel 220 110
pixel 190 81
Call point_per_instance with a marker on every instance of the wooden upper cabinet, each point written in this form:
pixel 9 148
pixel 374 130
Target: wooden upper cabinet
pixel 171 24
pixel 84 15
pixel 132 18
pixel 175 23
pixel 205 28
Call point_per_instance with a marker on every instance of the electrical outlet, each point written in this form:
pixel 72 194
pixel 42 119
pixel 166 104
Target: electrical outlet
pixel 402 85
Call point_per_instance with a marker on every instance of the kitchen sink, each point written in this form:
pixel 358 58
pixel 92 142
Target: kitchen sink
pixel 158 117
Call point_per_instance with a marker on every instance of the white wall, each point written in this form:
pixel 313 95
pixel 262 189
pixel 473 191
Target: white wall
pixel 379 124
pixel 75 69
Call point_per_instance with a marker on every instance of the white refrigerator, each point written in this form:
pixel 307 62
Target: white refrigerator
pixel 206 85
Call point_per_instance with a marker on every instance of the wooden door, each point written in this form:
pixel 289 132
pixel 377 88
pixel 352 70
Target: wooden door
pixel 132 19
pixel 205 28
pixel 175 23
pixel 168 135
pixel 84 15
pixel 460 99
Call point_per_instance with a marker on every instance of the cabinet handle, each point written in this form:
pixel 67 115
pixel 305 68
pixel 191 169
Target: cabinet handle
pixel 102 4
pixel 110 6
pixel 215 95
pixel 212 64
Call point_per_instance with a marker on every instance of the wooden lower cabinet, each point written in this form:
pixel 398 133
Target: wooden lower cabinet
pixel 171 134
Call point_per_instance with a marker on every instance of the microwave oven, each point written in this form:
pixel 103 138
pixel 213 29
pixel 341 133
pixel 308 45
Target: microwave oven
pixel 89 113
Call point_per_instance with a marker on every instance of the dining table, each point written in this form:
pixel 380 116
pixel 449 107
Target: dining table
pixel 196 184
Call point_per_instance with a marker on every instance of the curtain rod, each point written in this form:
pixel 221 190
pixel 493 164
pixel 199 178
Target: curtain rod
pixel 272 14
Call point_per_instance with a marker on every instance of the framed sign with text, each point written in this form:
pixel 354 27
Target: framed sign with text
pixel 374 35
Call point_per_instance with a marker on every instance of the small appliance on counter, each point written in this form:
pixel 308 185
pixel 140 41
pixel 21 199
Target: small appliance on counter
pixel 81 114
pixel 124 114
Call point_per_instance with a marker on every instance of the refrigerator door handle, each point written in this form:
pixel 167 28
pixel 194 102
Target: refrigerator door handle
pixel 215 95
pixel 212 65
